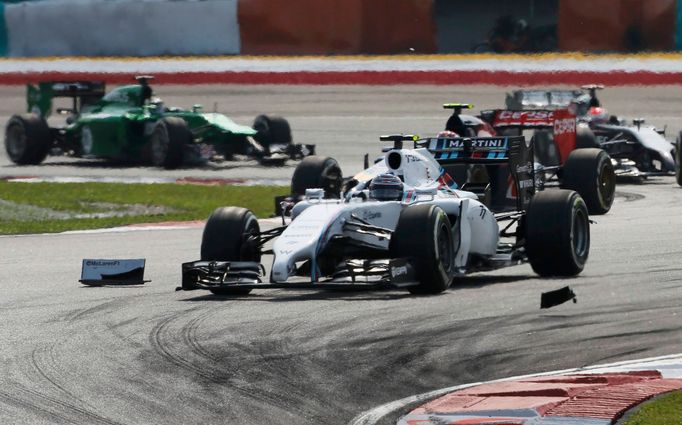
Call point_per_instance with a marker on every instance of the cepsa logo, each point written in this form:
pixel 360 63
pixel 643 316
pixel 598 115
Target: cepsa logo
pixel 525 115
pixel 563 126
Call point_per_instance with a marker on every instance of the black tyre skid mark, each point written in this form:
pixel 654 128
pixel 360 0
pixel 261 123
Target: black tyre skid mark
pixel 52 407
pixel 163 346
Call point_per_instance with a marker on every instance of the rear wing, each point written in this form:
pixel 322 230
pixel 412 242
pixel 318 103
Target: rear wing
pixel 560 122
pixel 536 119
pixel 516 152
pixel 39 97
pixel 468 150
pixel 541 99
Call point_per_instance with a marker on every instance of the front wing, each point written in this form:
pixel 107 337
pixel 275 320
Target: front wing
pixel 352 274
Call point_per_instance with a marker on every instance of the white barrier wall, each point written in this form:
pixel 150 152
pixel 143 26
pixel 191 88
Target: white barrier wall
pixel 122 28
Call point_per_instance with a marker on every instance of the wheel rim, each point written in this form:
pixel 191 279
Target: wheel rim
pixel 15 141
pixel 579 235
pixel 249 251
pixel 445 247
pixel 159 145
pixel 607 184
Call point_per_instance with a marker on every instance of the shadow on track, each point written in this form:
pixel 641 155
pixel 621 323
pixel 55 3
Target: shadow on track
pixel 309 295
pixel 479 281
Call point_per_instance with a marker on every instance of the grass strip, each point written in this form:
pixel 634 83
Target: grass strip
pixel 665 410
pixel 57 207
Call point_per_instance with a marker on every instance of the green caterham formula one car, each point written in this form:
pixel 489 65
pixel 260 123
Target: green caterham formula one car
pixel 130 124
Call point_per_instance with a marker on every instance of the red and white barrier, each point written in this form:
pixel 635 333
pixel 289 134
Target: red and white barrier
pixel 431 69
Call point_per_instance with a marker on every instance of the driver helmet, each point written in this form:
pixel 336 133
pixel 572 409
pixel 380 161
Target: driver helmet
pixel 386 187
pixel 447 133
pixel 598 115
pixel 158 104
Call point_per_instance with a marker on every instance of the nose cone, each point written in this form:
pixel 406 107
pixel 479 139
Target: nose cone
pixel 668 161
pixel 280 269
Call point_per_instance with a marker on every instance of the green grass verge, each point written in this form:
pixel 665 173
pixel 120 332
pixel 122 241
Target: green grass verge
pixel 666 410
pixel 57 207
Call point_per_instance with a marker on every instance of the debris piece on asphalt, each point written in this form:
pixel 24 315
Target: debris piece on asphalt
pixel 557 297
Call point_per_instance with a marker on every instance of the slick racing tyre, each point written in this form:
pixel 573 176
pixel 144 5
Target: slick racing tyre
pixel 424 234
pixel 168 141
pixel 27 139
pixel 272 130
pixel 317 172
pixel 557 232
pixel 585 138
pixel 226 238
pixel 590 173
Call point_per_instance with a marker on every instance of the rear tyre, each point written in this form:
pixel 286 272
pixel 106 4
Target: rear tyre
pixel 226 238
pixel 557 233
pixel 27 139
pixel 590 173
pixel 317 172
pixel 168 141
pixel 424 233
pixel 272 130
pixel 585 138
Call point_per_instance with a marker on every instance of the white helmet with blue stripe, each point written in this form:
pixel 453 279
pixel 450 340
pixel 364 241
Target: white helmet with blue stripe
pixel 386 187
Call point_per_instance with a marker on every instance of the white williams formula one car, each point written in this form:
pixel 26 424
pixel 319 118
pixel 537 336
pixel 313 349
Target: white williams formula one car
pixel 400 223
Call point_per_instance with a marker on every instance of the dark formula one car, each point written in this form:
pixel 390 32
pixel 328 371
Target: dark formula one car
pixel 557 162
pixel 128 123
pixel 637 150
pixel 400 223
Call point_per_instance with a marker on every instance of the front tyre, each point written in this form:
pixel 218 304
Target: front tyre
pixel 590 173
pixel 424 234
pixel 317 172
pixel 168 140
pixel 227 237
pixel 272 130
pixel 27 139
pixel 557 233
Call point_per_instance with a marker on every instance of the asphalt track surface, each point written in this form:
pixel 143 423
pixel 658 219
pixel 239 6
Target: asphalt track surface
pixel 141 355
pixel 343 121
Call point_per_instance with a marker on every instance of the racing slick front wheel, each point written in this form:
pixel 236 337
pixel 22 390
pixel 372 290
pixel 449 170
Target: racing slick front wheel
pixel 317 172
pixel 226 238
pixel 27 139
pixel 169 138
pixel 272 130
pixel 557 230
pixel 424 234
pixel 590 173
